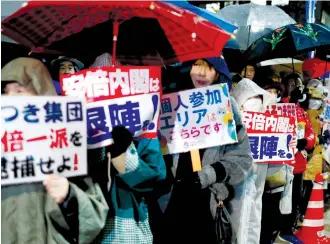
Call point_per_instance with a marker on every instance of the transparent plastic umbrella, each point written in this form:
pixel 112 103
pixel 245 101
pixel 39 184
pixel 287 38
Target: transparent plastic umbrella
pixel 254 21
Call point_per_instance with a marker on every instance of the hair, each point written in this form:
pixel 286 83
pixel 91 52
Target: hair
pixel 293 76
pixel 206 65
pixel 185 81
pixel 56 68
pixel 4 84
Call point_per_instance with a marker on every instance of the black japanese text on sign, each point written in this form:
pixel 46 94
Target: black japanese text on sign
pixel 42 136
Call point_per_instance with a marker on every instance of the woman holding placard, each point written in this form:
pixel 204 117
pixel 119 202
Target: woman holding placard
pixel 57 210
pixel 185 209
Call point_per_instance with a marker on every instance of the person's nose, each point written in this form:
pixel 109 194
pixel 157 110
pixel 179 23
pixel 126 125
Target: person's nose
pixel 66 71
pixel 202 72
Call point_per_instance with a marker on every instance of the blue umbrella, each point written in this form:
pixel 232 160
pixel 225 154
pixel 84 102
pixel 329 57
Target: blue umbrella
pixel 214 18
pixel 288 41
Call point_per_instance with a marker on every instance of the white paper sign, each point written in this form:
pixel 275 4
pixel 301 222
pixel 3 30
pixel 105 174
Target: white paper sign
pixel 196 119
pixel 139 114
pixel 41 136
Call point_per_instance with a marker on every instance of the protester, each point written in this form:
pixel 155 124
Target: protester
pixel 251 98
pixel 315 159
pixel 249 72
pixel 127 171
pixel 64 66
pixel 185 210
pixel 306 140
pixel 104 60
pixel 276 89
pixel 290 82
pixel 56 210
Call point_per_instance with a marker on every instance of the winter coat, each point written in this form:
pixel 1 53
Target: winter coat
pixel 314 117
pixel 128 221
pixel 300 157
pixel 28 213
pixel 314 165
pixel 237 162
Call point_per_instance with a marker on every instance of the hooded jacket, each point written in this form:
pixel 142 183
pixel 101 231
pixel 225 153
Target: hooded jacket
pixel 235 161
pixel 28 213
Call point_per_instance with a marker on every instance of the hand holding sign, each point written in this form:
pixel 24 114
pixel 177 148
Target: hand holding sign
pixel 57 187
pixel 293 143
pixel 122 138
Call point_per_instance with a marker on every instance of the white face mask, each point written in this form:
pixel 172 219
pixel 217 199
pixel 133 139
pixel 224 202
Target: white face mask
pixel 315 103
pixel 253 105
pixel 273 99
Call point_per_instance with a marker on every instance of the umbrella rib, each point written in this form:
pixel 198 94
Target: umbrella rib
pixel 26 37
pixel 174 22
pixel 43 41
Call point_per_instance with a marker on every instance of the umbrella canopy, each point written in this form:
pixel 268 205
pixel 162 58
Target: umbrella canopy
pixel 150 32
pixel 289 41
pixel 287 65
pixel 254 21
pixel 234 56
pixel 316 67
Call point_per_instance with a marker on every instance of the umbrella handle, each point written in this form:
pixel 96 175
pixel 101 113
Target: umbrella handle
pixel 292 65
pixel 114 41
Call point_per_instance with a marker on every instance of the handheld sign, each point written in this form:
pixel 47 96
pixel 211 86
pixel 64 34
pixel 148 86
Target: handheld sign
pixel 42 136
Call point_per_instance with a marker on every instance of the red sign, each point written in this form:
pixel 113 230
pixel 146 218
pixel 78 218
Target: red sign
pixel 98 84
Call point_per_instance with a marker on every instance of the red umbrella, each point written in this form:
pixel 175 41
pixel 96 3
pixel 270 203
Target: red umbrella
pixel 148 32
pixel 316 67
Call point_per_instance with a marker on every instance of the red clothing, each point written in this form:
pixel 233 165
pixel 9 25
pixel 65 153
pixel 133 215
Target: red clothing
pixel 300 161
pixel 285 100
pixel 309 132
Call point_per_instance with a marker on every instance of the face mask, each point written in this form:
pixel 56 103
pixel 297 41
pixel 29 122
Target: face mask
pixel 315 104
pixel 253 105
pixel 273 99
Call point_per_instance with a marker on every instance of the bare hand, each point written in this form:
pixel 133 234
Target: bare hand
pixel 293 143
pixel 57 187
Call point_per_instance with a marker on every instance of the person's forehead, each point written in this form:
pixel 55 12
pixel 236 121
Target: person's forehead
pixel 13 84
pixel 250 67
pixel 66 63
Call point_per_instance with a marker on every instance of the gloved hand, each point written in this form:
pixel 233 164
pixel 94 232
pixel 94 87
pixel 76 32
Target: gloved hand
pixel 122 139
pixel 302 143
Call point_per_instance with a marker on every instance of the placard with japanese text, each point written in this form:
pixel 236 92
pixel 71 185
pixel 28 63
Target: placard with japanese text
pixel 269 136
pixel 121 95
pixel 327 111
pixel 42 136
pixel 288 109
pixel 196 119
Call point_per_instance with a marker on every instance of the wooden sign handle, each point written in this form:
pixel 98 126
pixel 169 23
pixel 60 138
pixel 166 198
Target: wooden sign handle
pixel 196 160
